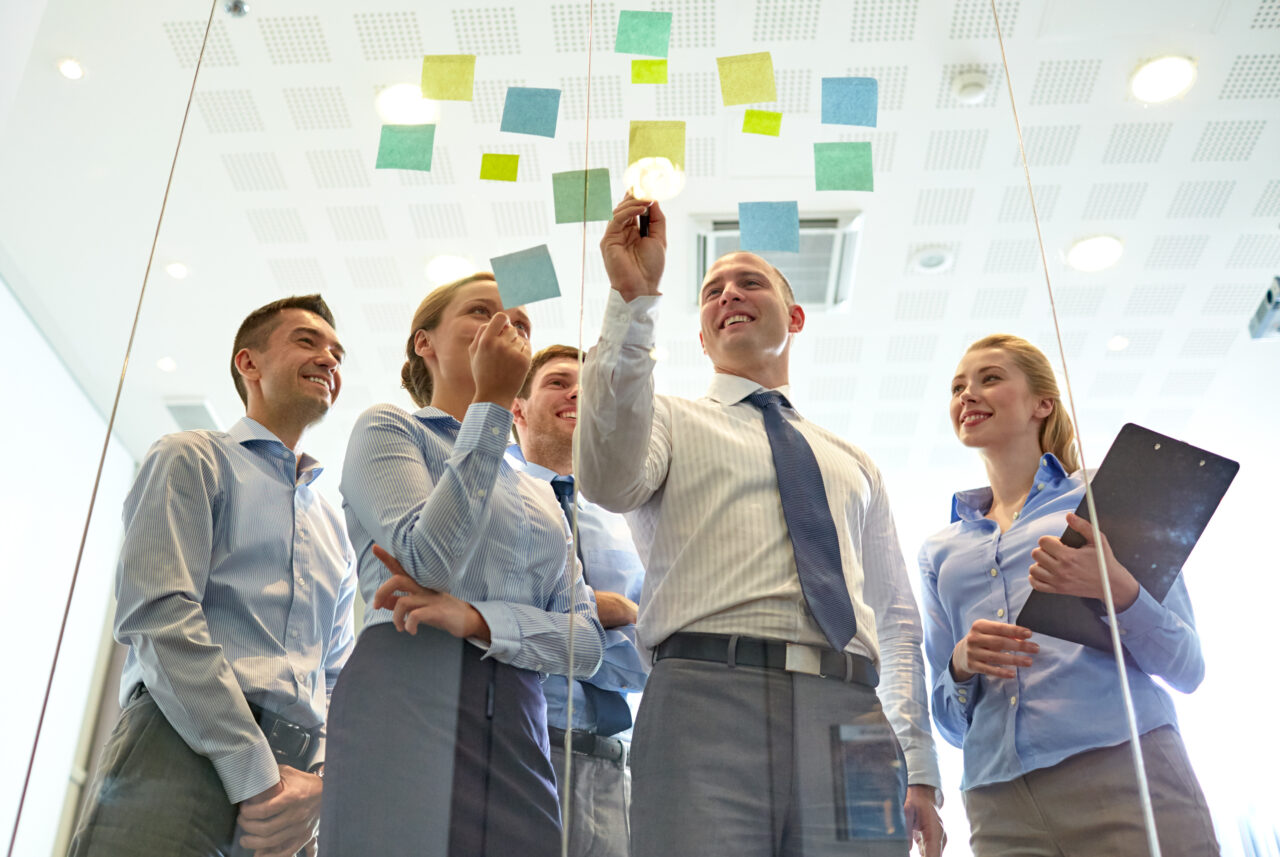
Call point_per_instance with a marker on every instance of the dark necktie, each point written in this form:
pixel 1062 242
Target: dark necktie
pixel 813 533
pixel 612 712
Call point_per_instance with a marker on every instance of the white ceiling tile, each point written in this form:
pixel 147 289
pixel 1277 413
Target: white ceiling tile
pixel 1114 201
pixel 897 386
pixel 299 275
pixel 389 317
pixel 339 168
pixel 1174 252
pixel 1228 140
pixel 921 305
pixel 1012 256
pixel 832 350
pixel 895 424
pixel 1252 76
pixel 956 149
pixel 883 145
pixel 947 97
pixel 492 31
pixel 943 206
pixel 229 111
pixel 1079 301
pixel 518 219
pixel 277 226
pixel 606 97
pixel 489 99
pixel 795 88
pixel 688 93
pixel 357 223
pixel 294 40
pixel 786 20
pixel 1015 204
pixel 437 220
pixel 1064 82
pixel 1210 342
pixel 441 171
pixel 569 26
pixel 1269 200
pixel 995 305
pixel 1239 299
pixel 693 22
pixel 1154 300
pixel 972 19
pixel 1170 421
pixel 186 37
pixel 891 83
pixel 1187 385
pixel 1136 142
pixel 530 166
pixel 911 348
pixel 1142 343
pixel 1267 15
pixel 1200 199
pixel 610 154
pixel 317 108
pixel 702 161
pixel 253 171
pixel 374 272
pixel 1255 251
pixel 884 21
pixel 389 35
pixel 1114 385
pixel 1048 145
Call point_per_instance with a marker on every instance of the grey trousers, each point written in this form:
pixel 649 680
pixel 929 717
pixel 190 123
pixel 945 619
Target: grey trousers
pixel 153 795
pixel 1087 806
pixel 748 762
pixel 599 808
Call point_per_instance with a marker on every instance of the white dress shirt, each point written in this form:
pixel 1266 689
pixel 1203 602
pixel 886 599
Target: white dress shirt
pixel 698 482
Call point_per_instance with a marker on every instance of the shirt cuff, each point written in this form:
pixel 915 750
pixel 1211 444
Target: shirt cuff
pixel 504 629
pixel 922 768
pixel 248 772
pixel 317 758
pixel 630 323
pixel 485 428
pixel 1142 616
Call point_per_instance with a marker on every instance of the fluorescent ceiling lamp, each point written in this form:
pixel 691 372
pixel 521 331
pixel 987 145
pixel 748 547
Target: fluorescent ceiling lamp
pixel 1118 343
pixel 177 270
pixel 654 178
pixel 1095 253
pixel 70 69
pixel 446 269
pixel 1162 79
pixel 403 104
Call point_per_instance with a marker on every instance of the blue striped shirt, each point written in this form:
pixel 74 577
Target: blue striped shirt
pixel 1069 699
pixel 441 498
pixel 611 564
pixel 235 581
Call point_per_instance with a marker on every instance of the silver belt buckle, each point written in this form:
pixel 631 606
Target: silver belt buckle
pixel 804 659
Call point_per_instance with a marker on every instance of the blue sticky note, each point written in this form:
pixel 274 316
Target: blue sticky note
pixel 769 226
pixel 531 111
pixel 525 276
pixel 849 100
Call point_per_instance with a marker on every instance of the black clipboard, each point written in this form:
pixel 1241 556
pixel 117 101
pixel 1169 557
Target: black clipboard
pixel 1155 495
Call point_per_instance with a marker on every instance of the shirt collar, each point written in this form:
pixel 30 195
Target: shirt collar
pixel 516 454
pixel 247 430
pixel 430 414
pixel 972 505
pixel 732 389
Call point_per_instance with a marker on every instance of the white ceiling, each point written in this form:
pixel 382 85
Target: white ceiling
pixel 275 192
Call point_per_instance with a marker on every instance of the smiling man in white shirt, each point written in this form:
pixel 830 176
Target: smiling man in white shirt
pixel 776 594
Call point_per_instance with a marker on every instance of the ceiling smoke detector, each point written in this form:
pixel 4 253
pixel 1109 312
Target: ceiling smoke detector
pixel 932 260
pixel 971 87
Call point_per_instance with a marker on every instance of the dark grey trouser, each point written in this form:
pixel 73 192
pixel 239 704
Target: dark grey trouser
pixel 434 752
pixel 1087 806
pixel 599 808
pixel 748 762
pixel 153 795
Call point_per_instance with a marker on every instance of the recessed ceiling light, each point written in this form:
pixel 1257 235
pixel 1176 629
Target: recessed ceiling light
pixel 1162 79
pixel 177 270
pixel 70 68
pixel 167 364
pixel 446 269
pixel 932 260
pixel 403 104
pixel 970 87
pixel 1117 343
pixel 654 178
pixel 1095 253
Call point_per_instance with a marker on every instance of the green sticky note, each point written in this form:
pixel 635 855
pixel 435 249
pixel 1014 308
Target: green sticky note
pixel 842 166
pixel 405 147
pixel 448 77
pixel 657 139
pixel 525 277
pixel 762 122
pixel 582 195
pixel 747 78
pixel 648 71
pixel 499 168
pixel 647 33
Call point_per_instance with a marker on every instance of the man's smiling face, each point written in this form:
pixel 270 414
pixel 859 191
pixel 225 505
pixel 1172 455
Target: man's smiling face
pixel 747 318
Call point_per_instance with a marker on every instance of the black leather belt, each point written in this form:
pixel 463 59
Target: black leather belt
pixel 770 654
pixel 590 744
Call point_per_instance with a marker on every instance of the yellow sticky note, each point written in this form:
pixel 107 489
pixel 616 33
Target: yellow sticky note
pixel 499 168
pixel 657 140
pixel 762 122
pixel 648 71
pixel 448 77
pixel 747 78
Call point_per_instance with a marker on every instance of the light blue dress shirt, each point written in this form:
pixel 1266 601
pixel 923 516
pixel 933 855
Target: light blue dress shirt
pixel 1069 699
pixel 441 498
pixel 236 580
pixel 611 565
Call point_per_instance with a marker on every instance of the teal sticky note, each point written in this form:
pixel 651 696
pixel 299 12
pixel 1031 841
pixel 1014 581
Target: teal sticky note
pixel 525 277
pixel 531 111
pixel 769 226
pixel 405 147
pixel 646 33
pixel 579 191
pixel 850 100
pixel 842 166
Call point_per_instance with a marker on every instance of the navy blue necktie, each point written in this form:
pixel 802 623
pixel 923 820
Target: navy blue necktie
pixel 813 532
pixel 612 712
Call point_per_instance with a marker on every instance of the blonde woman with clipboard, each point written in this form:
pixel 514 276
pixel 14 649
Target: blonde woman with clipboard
pixel 1047 766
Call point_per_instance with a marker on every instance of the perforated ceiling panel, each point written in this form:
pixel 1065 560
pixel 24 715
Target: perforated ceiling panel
pixel 441 172
pixel 494 31
pixel 1176 252
pixel 837 349
pixel 1064 82
pixel 943 206
pixel 569 26
pixel 702 158
pixel 606 98
pixel 688 93
pixel 883 146
pixel 1012 256
pixel 317 108
pixel 356 223
pixel 1114 201
pixel 971 19
pixel 185 38
pixel 229 111
pixel 995 85
pixel 891 81
pixel 786 20
pixel 294 40
pixel 956 150
pixel 1079 301
pixel 521 219
pixel 297 275
pixel 611 154
pixel 437 220
pixel 991 304
pixel 530 167
pixel 1015 203
pixel 1269 200
pixel 1267 16
pixel 277 226
pixel 1228 140
pixel 1200 199
pixel 489 97
pixel 339 169
pixel 1154 300
pixel 1048 145
pixel 921 305
pixel 1136 142
pixel 697 22
pixel 253 171
pixel 1209 342
pixel 389 35
pixel 883 21
pixel 1253 76
pixel 374 272
pixel 1227 299
pixel 1255 251
pixel 911 348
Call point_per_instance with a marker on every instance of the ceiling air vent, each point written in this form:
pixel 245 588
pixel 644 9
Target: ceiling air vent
pixel 192 413
pixel 821 274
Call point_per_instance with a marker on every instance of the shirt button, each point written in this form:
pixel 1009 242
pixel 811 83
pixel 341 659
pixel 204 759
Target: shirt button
pixel 1016 514
pixel 1013 700
pixel 294 634
pixel 480 493
pixel 994 572
pixel 494 430
pixel 1000 612
pixel 1039 486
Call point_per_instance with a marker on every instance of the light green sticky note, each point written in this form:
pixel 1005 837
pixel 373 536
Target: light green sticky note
pixel 648 71
pixel 448 77
pixel 747 78
pixel 762 122
pixel 647 33
pixel 582 195
pixel 499 168
pixel 842 166
pixel 405 147
pixel 656 139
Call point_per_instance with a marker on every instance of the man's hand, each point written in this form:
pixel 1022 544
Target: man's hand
pixel 615 609
pixel 992 648
pixel 415 605
pixel 1074 571
pixel 635 264
pixel 923 822
pixel 284 819
pixel 500 359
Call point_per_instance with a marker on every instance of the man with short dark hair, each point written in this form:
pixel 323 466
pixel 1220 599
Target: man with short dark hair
pixel 545 413
pixel 235 591
pixel 777 602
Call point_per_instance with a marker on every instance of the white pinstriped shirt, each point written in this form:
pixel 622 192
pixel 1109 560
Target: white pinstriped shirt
pixel 236 581
pixel 698 482
pixel 441 498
